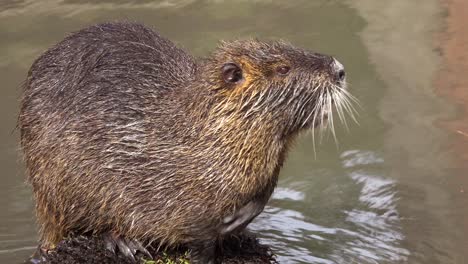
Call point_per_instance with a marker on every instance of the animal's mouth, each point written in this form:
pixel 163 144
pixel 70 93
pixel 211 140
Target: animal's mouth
pixel 331 100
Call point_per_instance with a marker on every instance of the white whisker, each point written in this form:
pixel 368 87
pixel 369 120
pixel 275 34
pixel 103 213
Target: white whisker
pixel 330 114
pixel 327 98
pixel 338 97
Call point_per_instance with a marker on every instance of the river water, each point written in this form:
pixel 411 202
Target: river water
pixel 391 189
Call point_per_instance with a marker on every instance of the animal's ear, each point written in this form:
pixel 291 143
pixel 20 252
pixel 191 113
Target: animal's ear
pixel 231 73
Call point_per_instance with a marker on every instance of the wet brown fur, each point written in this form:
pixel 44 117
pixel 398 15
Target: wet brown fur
pixel 124 132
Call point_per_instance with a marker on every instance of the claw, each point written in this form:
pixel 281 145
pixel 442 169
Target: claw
pixel 110 243
pixel 39 256
pixel 137 246
pixel 128 247
pixel 124 248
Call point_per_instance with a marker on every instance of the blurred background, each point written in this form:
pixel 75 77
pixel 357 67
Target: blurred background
pixel 394 188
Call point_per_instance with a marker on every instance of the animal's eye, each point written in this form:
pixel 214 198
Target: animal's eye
pixel 283 70
pixel 231 73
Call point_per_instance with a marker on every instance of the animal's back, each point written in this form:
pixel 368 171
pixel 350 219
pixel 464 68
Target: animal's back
pixel 89 104
pixel 107 61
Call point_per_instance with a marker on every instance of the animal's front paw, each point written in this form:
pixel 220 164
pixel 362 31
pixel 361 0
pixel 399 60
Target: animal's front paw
pixel 242 217
pixel 204 253
pixel 128 247
pixel 39 256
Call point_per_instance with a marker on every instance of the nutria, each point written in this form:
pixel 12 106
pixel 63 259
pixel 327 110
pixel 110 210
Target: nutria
pixel 126 135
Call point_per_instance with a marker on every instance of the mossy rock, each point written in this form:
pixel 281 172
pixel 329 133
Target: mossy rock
pixel 240 249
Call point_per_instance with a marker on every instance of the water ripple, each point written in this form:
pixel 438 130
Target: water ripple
pixel 368 232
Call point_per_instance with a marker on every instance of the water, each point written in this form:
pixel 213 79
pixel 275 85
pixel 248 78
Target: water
pixel 388 192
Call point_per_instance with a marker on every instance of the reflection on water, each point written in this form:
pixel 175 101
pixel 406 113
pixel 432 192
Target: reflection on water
pixel 369 232
pixel 380 197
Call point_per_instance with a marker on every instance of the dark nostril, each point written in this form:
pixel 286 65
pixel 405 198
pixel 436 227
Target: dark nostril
pixel 341 75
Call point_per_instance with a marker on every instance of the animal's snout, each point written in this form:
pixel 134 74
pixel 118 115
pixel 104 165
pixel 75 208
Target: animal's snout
pixel 338 71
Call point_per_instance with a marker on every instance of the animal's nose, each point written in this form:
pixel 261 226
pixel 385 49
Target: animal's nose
pixel 341 75
pixel 338 71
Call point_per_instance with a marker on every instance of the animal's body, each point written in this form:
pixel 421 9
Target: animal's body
pixel 125 133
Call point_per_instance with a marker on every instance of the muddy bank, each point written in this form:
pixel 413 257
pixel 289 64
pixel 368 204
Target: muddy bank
pixel 452 83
